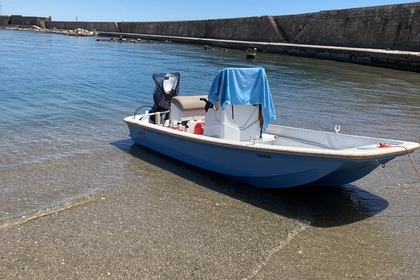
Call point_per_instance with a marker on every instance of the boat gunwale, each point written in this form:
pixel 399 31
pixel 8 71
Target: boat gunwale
pixel 350 153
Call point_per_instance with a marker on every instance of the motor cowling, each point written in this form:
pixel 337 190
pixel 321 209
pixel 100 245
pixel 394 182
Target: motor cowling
pixel 166 87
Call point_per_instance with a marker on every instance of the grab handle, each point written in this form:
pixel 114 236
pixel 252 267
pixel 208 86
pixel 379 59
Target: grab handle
pixel 208 104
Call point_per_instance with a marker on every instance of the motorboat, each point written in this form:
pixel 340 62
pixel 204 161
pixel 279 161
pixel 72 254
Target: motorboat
pixel 228 131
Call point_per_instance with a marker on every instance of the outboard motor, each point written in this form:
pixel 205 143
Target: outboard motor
pixel 167 86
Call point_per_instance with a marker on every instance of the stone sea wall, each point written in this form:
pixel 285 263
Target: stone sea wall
pixel 382 27
pixel 247 29
pixel 17 20
pixel 385 27
pixel 93 26
pixel 4 20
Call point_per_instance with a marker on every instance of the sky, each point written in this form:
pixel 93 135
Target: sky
pixel 174 10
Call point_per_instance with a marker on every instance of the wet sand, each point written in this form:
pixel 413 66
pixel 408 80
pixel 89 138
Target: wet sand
pixel 165 219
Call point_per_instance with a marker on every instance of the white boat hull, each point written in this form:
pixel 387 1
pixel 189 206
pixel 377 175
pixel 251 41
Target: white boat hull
pixel 295 157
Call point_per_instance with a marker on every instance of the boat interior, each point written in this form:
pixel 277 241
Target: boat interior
pixel 243 123
pixel 196 115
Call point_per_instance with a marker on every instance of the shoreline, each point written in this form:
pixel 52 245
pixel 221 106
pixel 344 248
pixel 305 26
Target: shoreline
pixel 186 224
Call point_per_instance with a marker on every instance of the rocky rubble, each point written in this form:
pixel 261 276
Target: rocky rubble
pixel 127 40
pixel 74 32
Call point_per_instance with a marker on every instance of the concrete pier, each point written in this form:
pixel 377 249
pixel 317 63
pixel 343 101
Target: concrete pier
pixel 396 59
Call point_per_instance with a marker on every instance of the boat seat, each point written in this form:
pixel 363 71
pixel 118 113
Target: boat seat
pixel 187 107
pixel 189 102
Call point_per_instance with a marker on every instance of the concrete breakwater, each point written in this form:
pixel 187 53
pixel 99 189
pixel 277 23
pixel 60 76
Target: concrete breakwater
pixel 337 35
pixel 384 27
pixel 395 59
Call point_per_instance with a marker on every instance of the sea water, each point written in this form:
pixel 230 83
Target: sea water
pixel 63 99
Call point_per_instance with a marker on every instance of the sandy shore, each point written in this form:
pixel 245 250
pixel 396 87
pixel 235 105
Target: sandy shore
pixel 168 220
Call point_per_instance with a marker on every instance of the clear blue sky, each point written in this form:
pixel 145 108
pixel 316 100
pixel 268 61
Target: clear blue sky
pixel 170 10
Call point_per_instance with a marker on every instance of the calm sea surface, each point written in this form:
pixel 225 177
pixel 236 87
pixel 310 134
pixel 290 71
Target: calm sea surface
pixel 63 99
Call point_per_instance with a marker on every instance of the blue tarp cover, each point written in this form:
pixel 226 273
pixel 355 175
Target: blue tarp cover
pixel 243 86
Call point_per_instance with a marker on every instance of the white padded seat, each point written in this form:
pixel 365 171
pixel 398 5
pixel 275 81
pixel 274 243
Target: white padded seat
pixel 187 107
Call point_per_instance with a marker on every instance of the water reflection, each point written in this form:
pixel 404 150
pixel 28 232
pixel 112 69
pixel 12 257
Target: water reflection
pixel 321 206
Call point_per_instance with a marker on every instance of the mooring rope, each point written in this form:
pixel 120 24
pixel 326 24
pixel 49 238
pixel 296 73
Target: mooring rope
pixel 386 145
pixel 412 163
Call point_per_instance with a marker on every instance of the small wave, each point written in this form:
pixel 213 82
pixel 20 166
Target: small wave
pixel 16 220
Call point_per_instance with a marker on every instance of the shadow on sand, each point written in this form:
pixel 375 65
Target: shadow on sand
pixel 321 206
